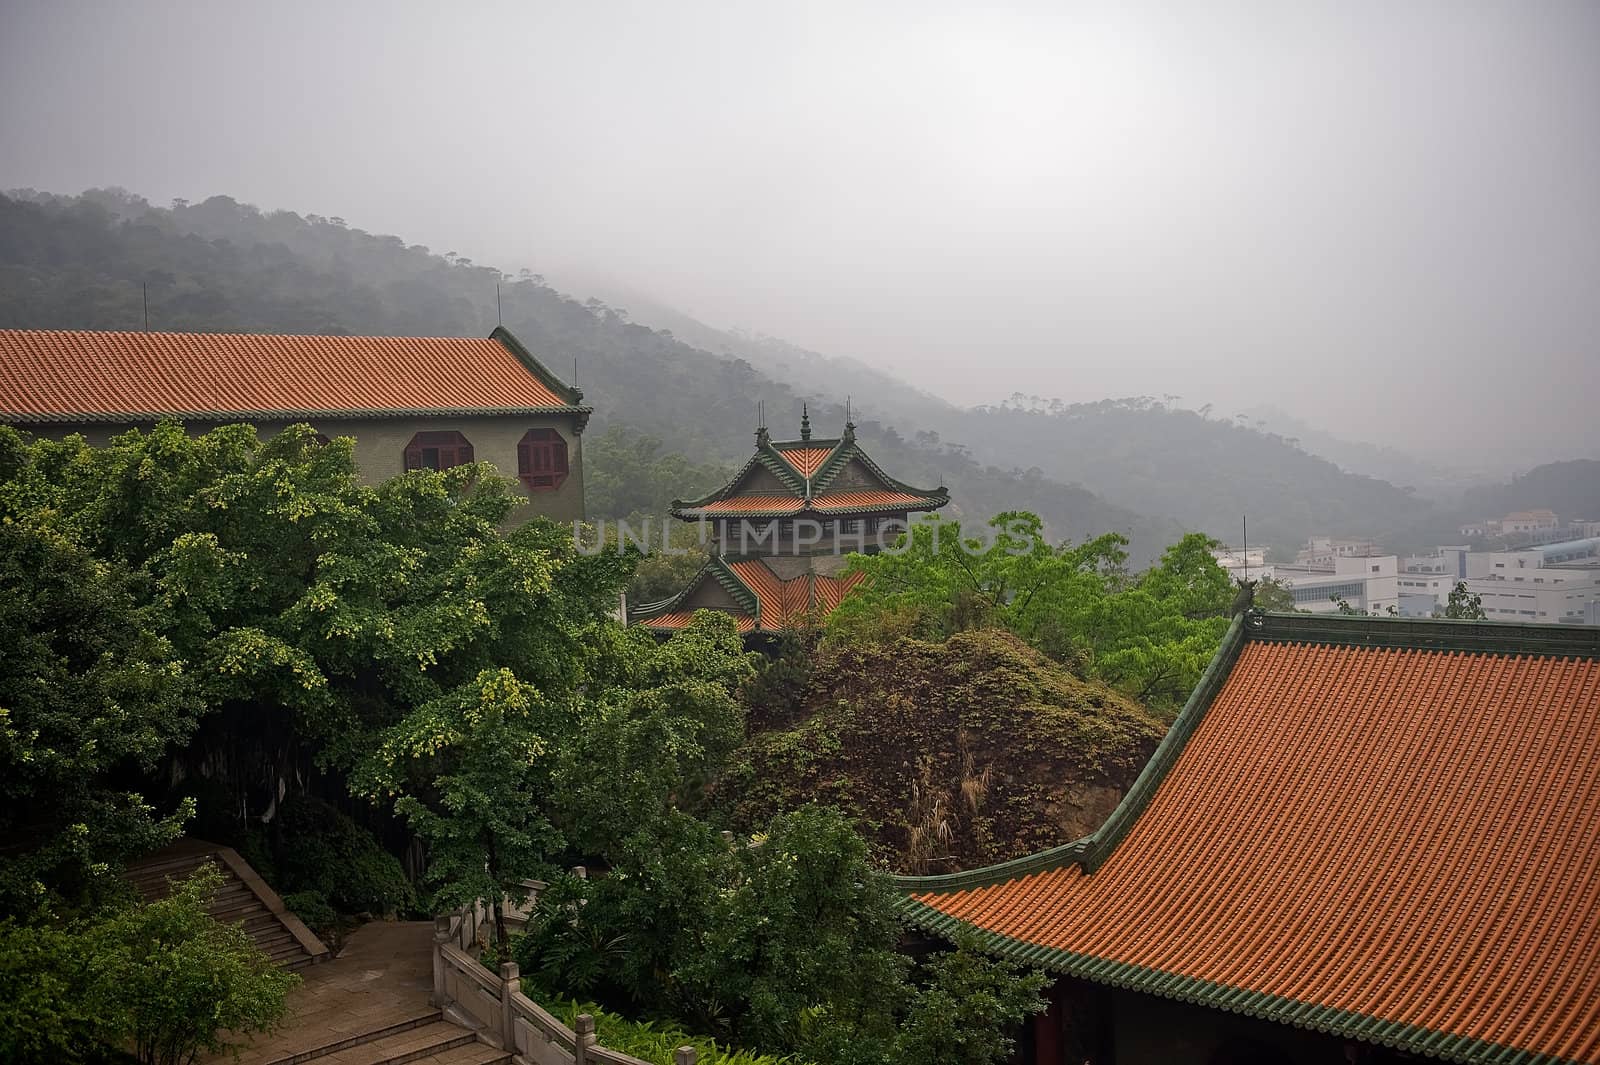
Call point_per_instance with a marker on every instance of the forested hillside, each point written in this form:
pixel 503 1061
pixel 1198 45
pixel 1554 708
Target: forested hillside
pixel 83 263
pixel 1153 457
pixel 1571 489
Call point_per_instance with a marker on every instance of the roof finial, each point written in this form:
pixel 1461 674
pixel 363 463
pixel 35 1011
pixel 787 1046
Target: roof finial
pixel 849 423
pixel 805 422
pixel 761 423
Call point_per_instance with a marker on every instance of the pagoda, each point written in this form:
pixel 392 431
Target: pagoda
pixel 779 532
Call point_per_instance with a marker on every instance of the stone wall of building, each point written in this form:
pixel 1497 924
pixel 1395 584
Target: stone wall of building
pixel 381 443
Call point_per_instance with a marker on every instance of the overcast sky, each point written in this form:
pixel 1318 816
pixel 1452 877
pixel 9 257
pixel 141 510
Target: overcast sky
pixel 1382 216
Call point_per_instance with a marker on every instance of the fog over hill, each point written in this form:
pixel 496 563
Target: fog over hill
pixel 1146 467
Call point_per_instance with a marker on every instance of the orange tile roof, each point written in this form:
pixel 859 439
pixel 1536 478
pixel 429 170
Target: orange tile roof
pixel 1397 844
pixel 780 603
pixel 754 505
pixel 60 375
pixel 805 460
pixel 828 501
pixel 680 618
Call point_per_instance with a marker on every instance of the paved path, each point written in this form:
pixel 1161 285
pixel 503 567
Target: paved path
pixel 382 977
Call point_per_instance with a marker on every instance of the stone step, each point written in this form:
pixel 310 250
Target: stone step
pixel 404 1024
pixel 427 1041
pixel 240 910
pixel 476 1054
pixel 270 940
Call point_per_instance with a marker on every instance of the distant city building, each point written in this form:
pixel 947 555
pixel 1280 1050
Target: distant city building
pixel 1322 551
pixel 1532 525
pixel 1243 564
pixel 1548 584
pixel 409 402
pixel 1364 582
pixel 1553 584
pixel 1527 521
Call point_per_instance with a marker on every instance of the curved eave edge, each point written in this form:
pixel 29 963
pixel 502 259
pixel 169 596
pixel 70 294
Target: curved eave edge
pixel 571 393
pixel 1091 851
pixel 848 449
pixel 1397 1035
pixel 714 568
pixel 765 456
pixel 690 513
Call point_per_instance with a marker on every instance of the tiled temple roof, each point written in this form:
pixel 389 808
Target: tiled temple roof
pixel 770 603
pixel 80 376
pixel 1386 830
pixel 806 468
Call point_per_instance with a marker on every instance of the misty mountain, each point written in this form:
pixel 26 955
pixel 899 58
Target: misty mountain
pixel 1148 456
pixel 1430 479
pixel 85 262
pixel 873 393
pixel 1571 489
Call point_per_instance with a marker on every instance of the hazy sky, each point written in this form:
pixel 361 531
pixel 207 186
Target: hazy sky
pixel 1382 216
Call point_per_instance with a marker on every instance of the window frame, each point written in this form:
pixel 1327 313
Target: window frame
pixel 544 461
pixel 457 449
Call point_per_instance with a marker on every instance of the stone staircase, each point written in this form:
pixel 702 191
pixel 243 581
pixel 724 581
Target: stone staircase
pixel 243 899
pixel 427 1038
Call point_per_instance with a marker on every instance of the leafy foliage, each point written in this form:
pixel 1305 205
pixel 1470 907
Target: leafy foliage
pixel 163 978
pixel 786 943
pixel 630 474
pixel 315 850
pixel 473 773
pixel 88 690
pixel 177 982
pixel 1151 636
pixel 1464 605
pixel 964 1009
pixel 653 1041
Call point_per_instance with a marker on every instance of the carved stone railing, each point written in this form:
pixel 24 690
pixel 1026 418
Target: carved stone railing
pixel 495 1007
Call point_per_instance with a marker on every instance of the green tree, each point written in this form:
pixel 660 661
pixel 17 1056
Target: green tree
pixel 1273 594
pixel 659 719
pixel 1464 605
pixel 171 981
pixel 1151 635
pixel 473 773
pixel 808 927
pixel 88 692
pixel 965 1008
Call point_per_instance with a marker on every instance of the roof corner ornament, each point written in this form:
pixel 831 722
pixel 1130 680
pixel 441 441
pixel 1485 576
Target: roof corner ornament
pixel 805 422
pixel 849 422
pixel 762 438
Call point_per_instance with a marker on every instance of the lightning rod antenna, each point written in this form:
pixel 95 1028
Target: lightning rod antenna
pixel 1244 525
pixel 498 320
pixel 146 287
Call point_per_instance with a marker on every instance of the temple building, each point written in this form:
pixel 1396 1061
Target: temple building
pixel 409 402
pixel 1363 841
pixel 781 529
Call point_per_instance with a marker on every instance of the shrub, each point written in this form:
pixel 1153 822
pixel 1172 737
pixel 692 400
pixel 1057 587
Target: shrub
pixel 315 910
pixel 315 848
pixel 170 981
pixel 42 1016
pixel 655 1041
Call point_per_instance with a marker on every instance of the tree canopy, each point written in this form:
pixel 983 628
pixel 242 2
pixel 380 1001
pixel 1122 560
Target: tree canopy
pixel 1149 635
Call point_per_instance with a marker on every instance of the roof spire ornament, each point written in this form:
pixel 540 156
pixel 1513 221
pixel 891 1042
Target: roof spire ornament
pixel 849 423
pixel 805 422
pixel 761 424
